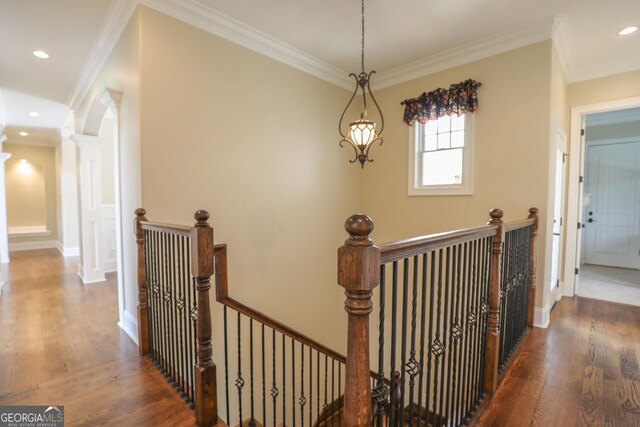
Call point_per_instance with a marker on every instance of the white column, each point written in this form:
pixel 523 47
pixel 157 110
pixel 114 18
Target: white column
pixel 4 235
pixel 91 267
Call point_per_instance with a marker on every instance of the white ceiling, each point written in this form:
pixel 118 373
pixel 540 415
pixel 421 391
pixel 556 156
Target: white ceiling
pixel 401 36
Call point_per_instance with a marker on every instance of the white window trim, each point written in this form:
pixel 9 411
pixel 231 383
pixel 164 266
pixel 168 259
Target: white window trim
pixel 463 189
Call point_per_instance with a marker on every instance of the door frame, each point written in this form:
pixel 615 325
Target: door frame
pixel 575 189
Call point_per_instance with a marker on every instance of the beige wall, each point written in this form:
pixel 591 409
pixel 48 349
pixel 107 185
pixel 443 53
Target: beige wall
pixel 31 197
pixel 617 86
pixel 121 72
pixel 254 142
pixel 107 166
pixel 511 149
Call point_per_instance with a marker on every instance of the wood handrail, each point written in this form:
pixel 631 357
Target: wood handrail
pixel 180 230
pixel 517 224
pixel 400 249
pixel 222 296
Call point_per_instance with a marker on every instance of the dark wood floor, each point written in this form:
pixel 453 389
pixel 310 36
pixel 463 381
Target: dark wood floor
pixel 581 371
pixel 61 345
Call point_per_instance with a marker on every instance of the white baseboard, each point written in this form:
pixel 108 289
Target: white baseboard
pixel 85 281
pixel 28 246
pixel 541 317
pixel 68 251
pixel 130 326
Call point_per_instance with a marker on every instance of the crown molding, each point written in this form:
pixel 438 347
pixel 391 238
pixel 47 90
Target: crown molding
pixel 208 19
pixel 563 46
pixel 483 48
pixel 112 27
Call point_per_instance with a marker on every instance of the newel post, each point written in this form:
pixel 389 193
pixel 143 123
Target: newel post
pixel 143 325
pixel 533 214
pixel 493 329
pixel 205 370
pixel 359 274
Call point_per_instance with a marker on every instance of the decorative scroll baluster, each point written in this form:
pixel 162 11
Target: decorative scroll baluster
pixel 381 391
pixel 239 380
pixel 274 388
pixel 302 400
pixel 412 367
pixel 394 316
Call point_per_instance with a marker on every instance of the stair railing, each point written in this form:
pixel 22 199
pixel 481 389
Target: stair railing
pixel 273 374
pixel 175 264
pixel 459 307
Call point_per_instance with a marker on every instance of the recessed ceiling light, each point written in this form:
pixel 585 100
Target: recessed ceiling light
pixel 41 54
pixel 34 114
pixel 627 31
pixel 24 161
pixel 24 134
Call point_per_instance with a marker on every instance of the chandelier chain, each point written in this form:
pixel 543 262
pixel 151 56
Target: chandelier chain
pixel 362 36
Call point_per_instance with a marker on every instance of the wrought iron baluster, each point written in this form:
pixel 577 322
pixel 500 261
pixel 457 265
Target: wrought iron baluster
pixel 239 379
pixel 380 392
pixel 340 392
pixel 325 407
pixel 302 400
pixel 436 346
pixel 180 311
pixel 403 351
pixel 453 332
pixel 413 368
pixel 457 337
pixel 333 389
pixel 253 418
pixel 284 383
pixel 310 387
pixel 293 382
pixel 171 303
pixel 445 320
pixel 226 363
pixel 274 388
pixel 394 313
pixel 264 387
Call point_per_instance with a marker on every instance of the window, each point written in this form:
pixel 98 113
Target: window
pixel 440 160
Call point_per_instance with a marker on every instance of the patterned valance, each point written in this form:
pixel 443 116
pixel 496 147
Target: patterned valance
pixel 460 98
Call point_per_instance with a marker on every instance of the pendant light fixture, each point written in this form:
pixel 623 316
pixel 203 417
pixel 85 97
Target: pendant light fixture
pixel 362 132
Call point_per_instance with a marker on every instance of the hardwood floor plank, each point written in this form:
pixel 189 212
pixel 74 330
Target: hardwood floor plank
pixel 581 371
pixel 63 346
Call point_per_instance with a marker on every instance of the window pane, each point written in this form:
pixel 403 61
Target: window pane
pixel 430 142
pixel 457 139
pixel 457 122
pixel 431 127
pixel 442 167
pixel 444 124
pixel 443 140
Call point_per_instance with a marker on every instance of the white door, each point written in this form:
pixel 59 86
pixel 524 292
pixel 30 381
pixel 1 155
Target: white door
pixel 557 226
pixel 612 218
